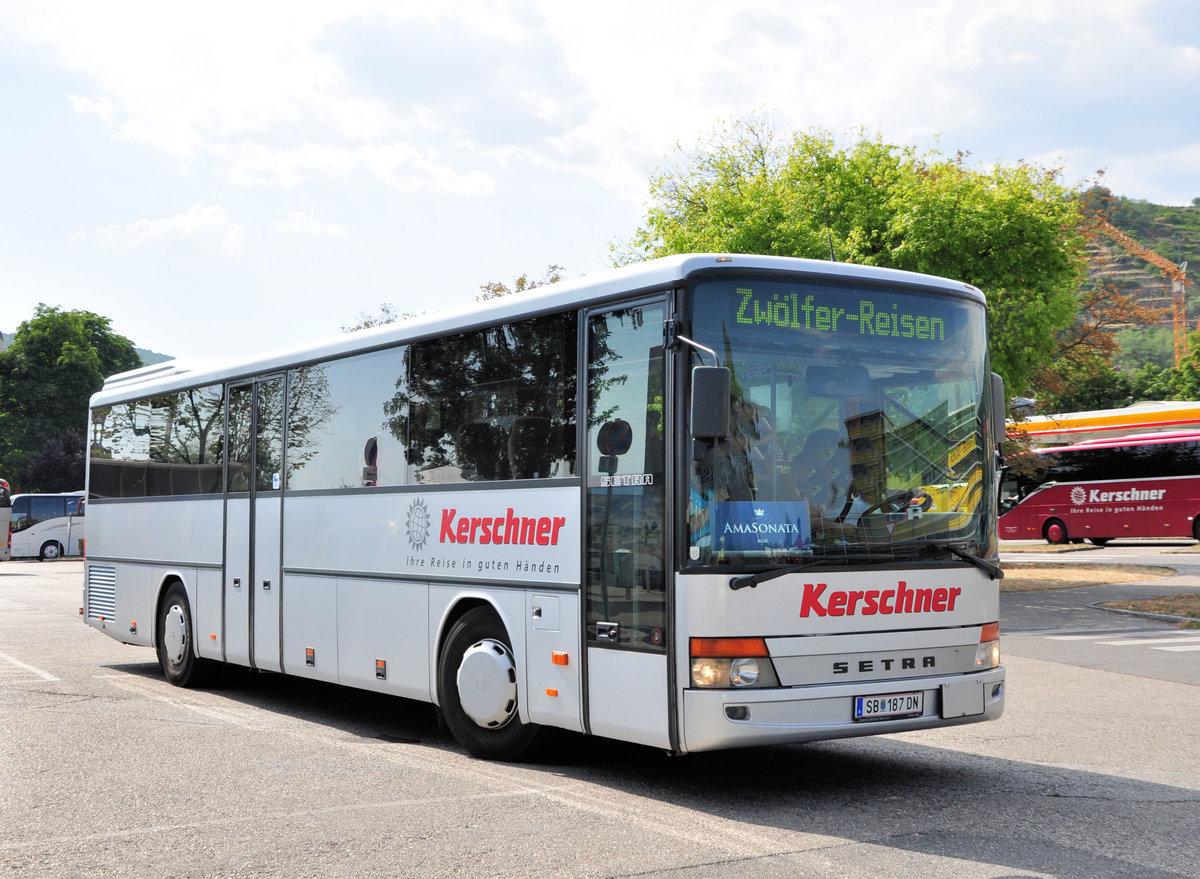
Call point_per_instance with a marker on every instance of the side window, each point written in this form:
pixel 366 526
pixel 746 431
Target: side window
pixel 255 447
pixel 268 441
pixel 492 404
pixel 237 449
pixel 165 445
pixel 339 423
pixel 20 514
pixel 46 507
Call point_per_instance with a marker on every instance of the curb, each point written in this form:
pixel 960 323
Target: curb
pixel 1162 617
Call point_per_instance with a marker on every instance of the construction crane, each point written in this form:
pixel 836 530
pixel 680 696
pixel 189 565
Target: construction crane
pixel 1176 275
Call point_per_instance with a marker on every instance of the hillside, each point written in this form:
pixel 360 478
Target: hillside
pixel 1171 232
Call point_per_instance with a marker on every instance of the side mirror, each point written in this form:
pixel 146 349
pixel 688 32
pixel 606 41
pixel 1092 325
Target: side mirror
pixel 999 410
pixel 710 402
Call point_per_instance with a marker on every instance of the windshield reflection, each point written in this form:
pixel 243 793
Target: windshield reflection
pixel 857 426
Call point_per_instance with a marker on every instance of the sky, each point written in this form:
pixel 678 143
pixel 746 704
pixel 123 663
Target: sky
pixel 223 179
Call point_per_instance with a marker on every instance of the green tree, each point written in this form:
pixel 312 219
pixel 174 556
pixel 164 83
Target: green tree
pixel 1012 231
pixel 58 466
pixel 1144 345
pixel 1152 382
pixel 56 361
pixel 1187 375
pixel 1106 388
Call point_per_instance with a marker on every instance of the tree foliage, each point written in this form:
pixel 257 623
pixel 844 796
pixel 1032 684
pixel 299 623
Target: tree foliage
pixel 387 315
pixel 58 466
pixel 496 289
pixel 56 361
pixel 1012 231
pixel 491 290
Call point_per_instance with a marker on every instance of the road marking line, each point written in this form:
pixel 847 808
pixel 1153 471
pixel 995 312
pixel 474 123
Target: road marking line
pixel 1128 642
pixel 44 675
pixel 1181 649
pixel 1074 637
pixel 225 713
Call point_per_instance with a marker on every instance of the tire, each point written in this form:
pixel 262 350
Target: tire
pixel 50 551
pixel 177 639
pixel 1099 541
pixel 1055 531
pixel 477 688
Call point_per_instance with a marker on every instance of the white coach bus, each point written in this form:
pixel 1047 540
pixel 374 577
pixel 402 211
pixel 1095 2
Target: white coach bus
pixel 701 502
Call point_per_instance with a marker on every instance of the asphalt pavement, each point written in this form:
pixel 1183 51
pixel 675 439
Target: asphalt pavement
pixel 1078 607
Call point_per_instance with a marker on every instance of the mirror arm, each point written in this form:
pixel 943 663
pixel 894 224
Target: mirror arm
pixel 699 347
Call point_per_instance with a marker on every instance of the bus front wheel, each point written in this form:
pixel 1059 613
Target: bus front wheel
pixel 177 640
pixel 1055 531
pixel 477 687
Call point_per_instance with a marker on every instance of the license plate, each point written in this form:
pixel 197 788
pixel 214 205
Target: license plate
pixel 890 705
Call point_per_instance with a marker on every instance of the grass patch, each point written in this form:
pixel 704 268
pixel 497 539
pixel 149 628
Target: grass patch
pixel 1035 576
pixel 1186 605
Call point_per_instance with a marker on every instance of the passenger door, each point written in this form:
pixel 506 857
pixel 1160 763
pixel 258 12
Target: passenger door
pixel 625 475
pixel 253 518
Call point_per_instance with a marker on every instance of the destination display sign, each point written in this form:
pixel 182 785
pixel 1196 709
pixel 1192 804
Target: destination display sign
pixel 852 312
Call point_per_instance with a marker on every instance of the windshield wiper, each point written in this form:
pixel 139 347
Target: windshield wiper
pixel 752 580
pixel 990 568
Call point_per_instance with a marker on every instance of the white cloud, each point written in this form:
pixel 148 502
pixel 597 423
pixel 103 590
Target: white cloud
pixel 397 165
pixel 101 108
pixel 306 223
pixel 203 231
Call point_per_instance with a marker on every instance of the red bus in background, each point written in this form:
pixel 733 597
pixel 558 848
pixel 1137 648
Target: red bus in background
pixel 1142 485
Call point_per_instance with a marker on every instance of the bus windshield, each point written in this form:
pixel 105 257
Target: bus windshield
pixel 858 425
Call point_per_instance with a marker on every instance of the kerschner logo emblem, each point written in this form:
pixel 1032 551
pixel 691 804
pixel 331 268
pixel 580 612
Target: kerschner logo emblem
pixel 418 524
pixel 1078 495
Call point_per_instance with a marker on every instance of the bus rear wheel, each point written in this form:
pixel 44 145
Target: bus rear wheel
pixel 177 640
pixel 1055 531
pixel 477 688
pixel 50 551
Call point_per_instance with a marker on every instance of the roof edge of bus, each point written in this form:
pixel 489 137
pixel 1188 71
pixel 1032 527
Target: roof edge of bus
pixel 648 276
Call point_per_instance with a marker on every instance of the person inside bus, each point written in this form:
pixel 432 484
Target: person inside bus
pixel 821 477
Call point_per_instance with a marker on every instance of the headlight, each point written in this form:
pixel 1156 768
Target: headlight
pixel 728 663
pixel 987 654
pixel 743 672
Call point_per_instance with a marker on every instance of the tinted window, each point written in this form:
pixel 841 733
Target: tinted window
pixel 493 404
pixel 164 445
pixel 1124 462
pixel 337 427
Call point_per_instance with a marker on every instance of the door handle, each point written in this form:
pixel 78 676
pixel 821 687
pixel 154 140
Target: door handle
pixel 267 585
pixel 237 582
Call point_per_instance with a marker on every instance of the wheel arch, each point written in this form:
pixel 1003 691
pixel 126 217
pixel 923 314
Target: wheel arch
pixel 1048 523
pixel 55 542
pixel 165 582
pixel 456 609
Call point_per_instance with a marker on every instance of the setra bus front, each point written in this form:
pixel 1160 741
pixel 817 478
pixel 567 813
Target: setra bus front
pixel 838 570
